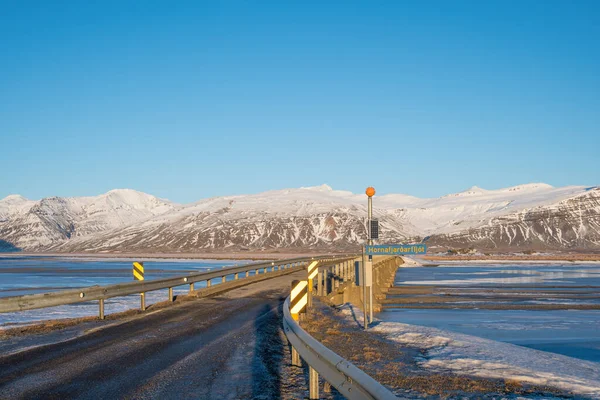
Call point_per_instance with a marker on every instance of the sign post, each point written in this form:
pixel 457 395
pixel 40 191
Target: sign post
pixel 138 275
pixel 370 192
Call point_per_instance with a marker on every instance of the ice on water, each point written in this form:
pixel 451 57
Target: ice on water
pixel 22 275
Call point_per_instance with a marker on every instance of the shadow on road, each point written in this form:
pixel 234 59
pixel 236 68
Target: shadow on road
pixel 268 354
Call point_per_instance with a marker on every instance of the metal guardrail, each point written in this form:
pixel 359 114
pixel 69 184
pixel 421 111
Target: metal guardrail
pixel 101 293
pixel 350 381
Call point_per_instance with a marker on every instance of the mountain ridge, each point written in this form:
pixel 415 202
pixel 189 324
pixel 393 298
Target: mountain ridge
pixel 532 215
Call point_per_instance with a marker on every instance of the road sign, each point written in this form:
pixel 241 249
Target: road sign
pixel 312 270
pixel 395 249
pixel 298 298
pixel 138 271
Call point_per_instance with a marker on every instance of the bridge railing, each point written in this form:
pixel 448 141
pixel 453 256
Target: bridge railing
pixel 101 293
pixel 348 379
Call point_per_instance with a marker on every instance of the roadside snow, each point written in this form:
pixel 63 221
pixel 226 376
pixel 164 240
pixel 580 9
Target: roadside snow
pixel 449 352
pixel 410 262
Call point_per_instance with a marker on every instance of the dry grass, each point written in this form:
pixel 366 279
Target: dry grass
pixel 395 366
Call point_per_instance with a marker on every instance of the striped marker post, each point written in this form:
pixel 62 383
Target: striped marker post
pixel 313 270
pixel 138 271
pixel 138 275
pixel 298 298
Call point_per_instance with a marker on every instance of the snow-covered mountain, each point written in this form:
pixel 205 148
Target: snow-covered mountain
pixel 535 216
pixel 33 225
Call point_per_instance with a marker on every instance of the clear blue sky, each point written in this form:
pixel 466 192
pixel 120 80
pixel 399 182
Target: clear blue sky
pixel 186 100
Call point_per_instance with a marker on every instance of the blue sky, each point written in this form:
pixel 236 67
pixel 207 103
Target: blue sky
pixel 186 100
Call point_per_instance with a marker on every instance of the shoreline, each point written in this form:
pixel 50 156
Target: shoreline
pixel 250 256
pixel 508 258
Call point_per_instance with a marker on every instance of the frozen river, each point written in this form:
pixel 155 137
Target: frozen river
pixel 28 275
pixel 569 332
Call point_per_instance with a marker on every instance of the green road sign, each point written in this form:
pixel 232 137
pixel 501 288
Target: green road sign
pixel 395 249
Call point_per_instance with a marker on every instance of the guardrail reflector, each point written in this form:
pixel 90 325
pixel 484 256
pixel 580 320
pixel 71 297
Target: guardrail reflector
pixel 313 270
pixel 138 271
pixel 298 298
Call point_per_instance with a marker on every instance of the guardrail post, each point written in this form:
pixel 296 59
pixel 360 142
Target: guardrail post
pixel 143 301
pixel 101 307
pixel 265 271
pixel 346 269
pixel 223 279
pixel 247 274
pixel 171 294
pixel 236 276
pixel 208 282
pixel 320 283
pixel 296 358
pixel 313 383
pixel 192 287
pixel 256 272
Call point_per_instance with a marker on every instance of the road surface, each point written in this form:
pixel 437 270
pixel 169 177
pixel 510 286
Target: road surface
pixel 225 347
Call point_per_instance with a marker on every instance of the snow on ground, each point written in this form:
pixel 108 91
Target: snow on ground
pixel 410 262
pixel 449 352
pixel 492 262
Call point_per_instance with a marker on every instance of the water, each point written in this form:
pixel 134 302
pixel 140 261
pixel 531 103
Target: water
pixel 29 275
pixel 569 332
pixel 507 275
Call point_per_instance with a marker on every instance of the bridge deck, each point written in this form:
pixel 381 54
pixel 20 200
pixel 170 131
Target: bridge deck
pixel 220 347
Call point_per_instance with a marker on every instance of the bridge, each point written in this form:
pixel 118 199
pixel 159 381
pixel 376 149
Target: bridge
pixel 220 341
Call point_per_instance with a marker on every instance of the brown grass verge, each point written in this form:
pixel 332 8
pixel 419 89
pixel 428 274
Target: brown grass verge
pixel 395 366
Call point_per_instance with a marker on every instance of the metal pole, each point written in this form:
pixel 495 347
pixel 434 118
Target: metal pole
pixel 364 277
pixel 170 294
pixel 370 241
pixel 313 383
pixel 320 283
pixel 371 304
pixel 101 306
pixel 143 301
pixel 310 294
pixel 370 216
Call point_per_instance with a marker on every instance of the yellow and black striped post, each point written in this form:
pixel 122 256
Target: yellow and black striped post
pixel 138 271
pixel 138 275
pixel 298 298
pixel 313 270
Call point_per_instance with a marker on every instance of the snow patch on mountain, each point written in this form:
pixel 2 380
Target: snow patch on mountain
pixel 311 217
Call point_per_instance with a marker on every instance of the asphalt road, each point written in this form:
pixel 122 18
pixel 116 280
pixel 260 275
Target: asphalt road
pixel 226 347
